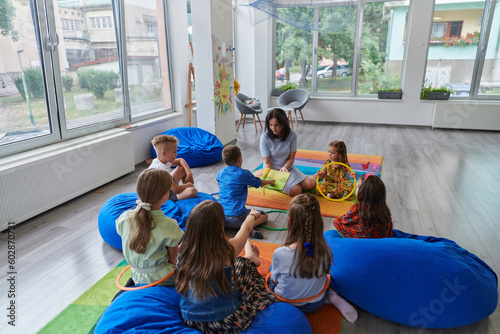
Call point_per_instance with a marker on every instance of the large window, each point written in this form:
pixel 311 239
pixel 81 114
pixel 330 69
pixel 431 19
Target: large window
pixel 147 61
pixel 293 48
pixel 336 55
pixel 455 59
pixel 65 65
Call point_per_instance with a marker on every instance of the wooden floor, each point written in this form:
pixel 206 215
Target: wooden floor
pixel 440 182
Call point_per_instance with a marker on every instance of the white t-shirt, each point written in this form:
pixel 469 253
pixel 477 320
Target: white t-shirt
pixel 160 165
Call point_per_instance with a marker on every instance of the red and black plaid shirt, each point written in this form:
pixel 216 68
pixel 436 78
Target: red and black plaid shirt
pixel 350 226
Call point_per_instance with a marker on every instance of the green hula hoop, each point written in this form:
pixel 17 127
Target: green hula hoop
pixel 275 229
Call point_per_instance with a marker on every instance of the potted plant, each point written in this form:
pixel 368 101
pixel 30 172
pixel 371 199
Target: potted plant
pixel 440 93
pixel 387 86
pixel 390 93
pixel 289 85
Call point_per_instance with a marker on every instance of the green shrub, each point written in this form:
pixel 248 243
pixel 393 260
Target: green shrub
pixel 113 78
pixel 83 78
pixel 98 83
pixel 18 81
pixel 67 82
pixel 34 80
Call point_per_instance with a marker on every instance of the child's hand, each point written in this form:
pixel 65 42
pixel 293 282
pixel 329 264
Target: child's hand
pixel 255 212
pixel 189 177
pixel 272 182
pixel 322 173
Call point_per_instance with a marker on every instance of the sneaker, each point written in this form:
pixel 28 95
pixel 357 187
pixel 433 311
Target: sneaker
pixel 256 234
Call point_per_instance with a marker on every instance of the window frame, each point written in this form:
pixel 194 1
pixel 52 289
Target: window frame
pixel 359 4
pixel 44 22
pixel 484 35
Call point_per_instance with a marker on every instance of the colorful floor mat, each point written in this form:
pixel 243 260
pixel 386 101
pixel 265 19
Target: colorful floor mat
pixel 82 315
pixel 309 162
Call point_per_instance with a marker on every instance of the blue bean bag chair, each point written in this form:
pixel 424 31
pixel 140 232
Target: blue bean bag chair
pixel 120 203
pixel 197 146
pixel 156 310
pixel 414 280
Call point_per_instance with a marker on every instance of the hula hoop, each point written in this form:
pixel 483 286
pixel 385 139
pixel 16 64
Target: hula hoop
pixel 328 278
pixel 335 199
pixel 271 228
pixel 123 288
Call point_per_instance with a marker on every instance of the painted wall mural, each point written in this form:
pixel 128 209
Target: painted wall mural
pixel 223 91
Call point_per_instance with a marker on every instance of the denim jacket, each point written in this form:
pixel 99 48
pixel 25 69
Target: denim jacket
pixel 211 308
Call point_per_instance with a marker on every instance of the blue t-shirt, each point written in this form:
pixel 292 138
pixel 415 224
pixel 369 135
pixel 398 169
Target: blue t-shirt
pixel 233 189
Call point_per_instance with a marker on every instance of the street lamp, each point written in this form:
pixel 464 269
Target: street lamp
pixel 25 86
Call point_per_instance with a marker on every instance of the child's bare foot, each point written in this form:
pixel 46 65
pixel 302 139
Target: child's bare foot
pixel 252 253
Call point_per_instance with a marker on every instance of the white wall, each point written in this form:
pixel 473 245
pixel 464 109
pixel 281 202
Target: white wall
pixel 212 28
pixel 179 56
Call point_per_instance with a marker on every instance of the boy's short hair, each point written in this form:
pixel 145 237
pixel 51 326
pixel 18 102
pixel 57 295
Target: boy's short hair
pixel 231 154
pixel 161 142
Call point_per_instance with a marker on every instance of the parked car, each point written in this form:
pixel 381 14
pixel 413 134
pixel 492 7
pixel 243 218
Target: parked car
pixel 460 89
pixel 342 71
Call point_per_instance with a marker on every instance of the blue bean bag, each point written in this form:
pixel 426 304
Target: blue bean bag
pixel 414 280
pixel 120 203
pixel 197 146
pixel 156 310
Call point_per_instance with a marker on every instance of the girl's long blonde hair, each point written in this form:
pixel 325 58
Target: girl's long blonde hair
pixel 204 252
pixel 306 225
pixel 152 185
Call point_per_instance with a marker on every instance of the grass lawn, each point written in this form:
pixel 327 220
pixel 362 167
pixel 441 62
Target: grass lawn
pixel 14 113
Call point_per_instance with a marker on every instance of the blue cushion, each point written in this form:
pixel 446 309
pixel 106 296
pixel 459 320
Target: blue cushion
pixel 120 203
pixel 197 146
pixel 413 280
pixel 157 310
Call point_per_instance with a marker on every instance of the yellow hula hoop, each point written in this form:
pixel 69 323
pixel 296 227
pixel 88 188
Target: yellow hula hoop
pixel 335 199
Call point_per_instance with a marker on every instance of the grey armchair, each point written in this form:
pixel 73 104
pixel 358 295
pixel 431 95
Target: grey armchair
pixel 246 110
pixel 293 99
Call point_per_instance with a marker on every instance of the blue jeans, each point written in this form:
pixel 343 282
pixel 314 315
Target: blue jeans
pixel 236 221
pixel 311 307
pixel 306 308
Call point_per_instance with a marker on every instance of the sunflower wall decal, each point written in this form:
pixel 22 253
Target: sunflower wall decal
pixel 223 91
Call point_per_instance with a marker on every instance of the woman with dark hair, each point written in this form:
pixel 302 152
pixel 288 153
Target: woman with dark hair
pixel 278 146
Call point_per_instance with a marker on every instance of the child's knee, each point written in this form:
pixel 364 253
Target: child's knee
pixel 193 192
pixel 297 190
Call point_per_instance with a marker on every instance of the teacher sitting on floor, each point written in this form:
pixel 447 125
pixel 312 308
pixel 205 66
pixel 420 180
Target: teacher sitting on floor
pixel 278 146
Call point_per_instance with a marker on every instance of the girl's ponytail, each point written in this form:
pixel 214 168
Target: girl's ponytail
pixel 305 228
pixel 144 223
pixel 152 185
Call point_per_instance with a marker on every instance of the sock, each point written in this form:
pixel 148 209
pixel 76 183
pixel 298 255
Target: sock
pixel 347 310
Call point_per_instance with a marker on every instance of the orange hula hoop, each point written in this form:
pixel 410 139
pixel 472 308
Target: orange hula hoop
pixel 266 280
pixel 123 288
